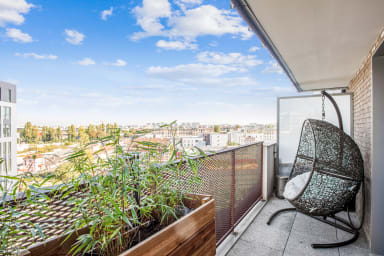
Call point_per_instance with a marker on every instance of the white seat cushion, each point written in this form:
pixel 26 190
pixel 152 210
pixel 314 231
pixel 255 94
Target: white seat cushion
pixel 295 185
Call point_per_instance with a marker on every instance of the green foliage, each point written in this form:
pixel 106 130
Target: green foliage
pixel 16 210
pixel 83 136
pixel 100 131
pixel 72 134
pixel 92 131
pixel 58 134
pixel 216 128
pixel 126 190
pixel 33 134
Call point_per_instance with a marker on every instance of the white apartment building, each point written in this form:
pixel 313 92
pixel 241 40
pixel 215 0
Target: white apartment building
pixel 8 134
pixel 270 134
pixel 236 137
pixel 218 139
pixel 192 141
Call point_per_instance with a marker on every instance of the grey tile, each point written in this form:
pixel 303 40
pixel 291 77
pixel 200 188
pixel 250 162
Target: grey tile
pixel 245 248
pixel 306 224
pixel 283 222
pixel 353 251
pixel 299 243
pixel 266 236
pixel 361 242
pixel 268 239
pixel 344 215
pixel 276 204
pixel 231 253
pixel 292 234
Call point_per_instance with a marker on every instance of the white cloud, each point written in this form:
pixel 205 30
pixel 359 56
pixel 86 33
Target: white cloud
pixel 213 69
pixel 176 45
pixel 191 70
pixel 184 4
pixel 37 56
pixel 283 89
pixel 202 75
pixel 191 1
pixel 11 11
pixel 254 49
pixel 110 100
pixel 213 44
pixel 273 67
pixel 117 63
pixel 187 23
pixel 86 62
pixel 220 81
pixel 148 17
pixel 234 58
pixel 74 37
pixel 106 13
pixel 207 20
pixel 18 36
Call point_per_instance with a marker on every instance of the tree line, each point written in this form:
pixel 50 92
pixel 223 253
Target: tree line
pixel 33 134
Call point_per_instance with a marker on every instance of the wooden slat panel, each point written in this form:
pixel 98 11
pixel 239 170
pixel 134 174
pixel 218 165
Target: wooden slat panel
pixel 165 241
pixel 201 243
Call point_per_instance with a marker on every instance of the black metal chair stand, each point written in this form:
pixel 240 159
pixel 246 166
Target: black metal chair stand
pixel 347 228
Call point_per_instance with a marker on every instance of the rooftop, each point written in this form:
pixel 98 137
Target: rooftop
pixel 292 234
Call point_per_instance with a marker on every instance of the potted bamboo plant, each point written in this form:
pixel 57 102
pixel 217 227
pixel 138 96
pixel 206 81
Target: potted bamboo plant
pixel 135 203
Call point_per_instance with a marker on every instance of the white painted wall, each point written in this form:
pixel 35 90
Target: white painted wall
pixel 377 164
pixel 268 169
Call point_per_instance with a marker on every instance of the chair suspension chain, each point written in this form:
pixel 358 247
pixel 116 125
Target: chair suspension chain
pixel 323 107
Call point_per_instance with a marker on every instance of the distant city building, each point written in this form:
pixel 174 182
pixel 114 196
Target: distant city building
pixel 193 141
pixel 236 138
pixel 8 135
pixel 187 135
pixel 166 132
pixel 218 139
pixel 270 134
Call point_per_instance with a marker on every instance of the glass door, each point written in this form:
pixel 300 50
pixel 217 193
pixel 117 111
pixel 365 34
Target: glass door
pixel 293 111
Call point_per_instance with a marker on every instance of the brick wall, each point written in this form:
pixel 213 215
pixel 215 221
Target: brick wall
pixel 361 87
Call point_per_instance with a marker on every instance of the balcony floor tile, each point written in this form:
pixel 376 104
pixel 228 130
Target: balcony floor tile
pixel 291 234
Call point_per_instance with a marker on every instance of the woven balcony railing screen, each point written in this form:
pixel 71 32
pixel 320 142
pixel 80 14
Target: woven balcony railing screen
pixel 232 177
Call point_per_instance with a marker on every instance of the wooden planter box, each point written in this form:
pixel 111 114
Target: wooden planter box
pixel 193 234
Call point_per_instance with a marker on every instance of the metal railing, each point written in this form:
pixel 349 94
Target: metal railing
pixel 234 178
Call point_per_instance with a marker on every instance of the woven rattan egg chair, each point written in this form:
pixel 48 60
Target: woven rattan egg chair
pixel 330 165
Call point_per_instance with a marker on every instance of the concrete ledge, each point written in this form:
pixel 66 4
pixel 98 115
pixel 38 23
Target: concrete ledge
pixel 232 238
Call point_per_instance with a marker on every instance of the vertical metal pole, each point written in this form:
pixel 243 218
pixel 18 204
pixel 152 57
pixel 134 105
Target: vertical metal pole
pixel 233 191
pixel 261 168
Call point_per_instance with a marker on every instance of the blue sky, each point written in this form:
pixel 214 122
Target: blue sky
pixel 135 62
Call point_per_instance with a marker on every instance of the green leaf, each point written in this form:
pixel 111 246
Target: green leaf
pixel 49 177
pixel 114 233
pixel 9 177
pixel 201 152
pixel 40 231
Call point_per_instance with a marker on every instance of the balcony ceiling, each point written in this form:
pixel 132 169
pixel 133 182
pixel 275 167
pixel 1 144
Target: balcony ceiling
pixel 320 44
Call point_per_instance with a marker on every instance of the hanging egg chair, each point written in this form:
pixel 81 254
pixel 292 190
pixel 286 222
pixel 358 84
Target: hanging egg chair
pixel 326 175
